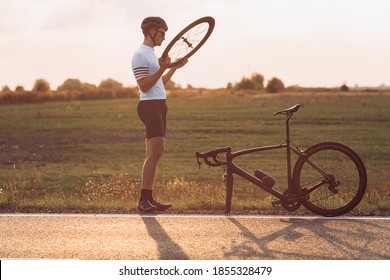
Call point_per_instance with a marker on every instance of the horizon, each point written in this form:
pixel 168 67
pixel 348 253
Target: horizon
pixel 179 86
pixel 302 43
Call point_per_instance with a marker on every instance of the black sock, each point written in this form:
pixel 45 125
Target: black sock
pixel 145 194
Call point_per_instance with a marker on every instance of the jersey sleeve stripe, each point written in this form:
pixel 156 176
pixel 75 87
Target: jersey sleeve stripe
pixel 140 72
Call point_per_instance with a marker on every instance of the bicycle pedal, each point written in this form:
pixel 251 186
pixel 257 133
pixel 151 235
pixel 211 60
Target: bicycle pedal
pixel 276 202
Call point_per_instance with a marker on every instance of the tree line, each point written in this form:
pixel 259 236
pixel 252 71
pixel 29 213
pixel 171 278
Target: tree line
pixel 70 89
pixel 256 82
pixel 74 89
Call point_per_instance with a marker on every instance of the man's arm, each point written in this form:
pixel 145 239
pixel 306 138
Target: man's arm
pixel 148 82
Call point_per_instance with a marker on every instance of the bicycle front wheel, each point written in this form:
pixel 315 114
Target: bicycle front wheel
pixel 189 40
pixel 335 176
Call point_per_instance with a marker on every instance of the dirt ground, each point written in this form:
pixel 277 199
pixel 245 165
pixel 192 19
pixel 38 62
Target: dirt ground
pixel 41 147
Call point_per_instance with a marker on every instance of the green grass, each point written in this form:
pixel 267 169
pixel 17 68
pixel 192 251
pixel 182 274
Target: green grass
pixel 49 152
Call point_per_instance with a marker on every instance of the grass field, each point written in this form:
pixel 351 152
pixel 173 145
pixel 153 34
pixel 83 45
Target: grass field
pixel 88 154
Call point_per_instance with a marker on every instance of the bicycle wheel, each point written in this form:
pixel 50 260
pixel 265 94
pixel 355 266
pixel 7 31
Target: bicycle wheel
pixel 189 40
pixel 335 175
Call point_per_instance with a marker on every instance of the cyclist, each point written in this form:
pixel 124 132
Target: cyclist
pixel 151 76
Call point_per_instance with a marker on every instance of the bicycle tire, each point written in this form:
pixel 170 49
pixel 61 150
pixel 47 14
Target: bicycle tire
pixel 189 40
pixel 335 159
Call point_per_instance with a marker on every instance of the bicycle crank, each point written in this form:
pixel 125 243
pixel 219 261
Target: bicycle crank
pixel 290 204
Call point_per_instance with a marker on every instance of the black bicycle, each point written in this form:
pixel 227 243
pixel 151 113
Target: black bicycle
pixel 328 178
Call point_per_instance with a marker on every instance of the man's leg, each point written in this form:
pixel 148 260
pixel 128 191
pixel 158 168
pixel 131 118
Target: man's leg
pixel 154 150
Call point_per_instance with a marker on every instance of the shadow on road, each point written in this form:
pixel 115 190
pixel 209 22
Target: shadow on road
pixel 167 248
pixel 350 242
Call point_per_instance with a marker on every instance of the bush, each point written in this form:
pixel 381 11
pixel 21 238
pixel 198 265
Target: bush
pixel 344 87
pixel 275 85
pixel 110 84
pixel 41 86
pixel 70 85
pixel 245 83
pixel 5 89
pixel 256 81
pixel 19 90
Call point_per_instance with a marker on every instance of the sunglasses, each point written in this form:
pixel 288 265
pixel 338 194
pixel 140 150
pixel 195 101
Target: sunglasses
pixel 162 33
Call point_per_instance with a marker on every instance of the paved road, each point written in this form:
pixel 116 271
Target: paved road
pixel 192 237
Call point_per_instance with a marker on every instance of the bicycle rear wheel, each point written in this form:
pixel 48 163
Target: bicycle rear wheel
pixel 336 176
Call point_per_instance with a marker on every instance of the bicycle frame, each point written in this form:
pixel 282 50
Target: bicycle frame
pixel 231 168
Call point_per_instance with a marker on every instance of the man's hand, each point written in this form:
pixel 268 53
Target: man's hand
pixel 164 62
pixel 183 61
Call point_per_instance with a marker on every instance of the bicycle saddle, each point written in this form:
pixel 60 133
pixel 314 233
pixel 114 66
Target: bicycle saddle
pixel 288 111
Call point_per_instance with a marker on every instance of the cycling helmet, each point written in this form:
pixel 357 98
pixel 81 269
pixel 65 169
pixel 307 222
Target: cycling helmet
pixel 153 22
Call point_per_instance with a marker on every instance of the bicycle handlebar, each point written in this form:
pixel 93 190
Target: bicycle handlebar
pixel 211 157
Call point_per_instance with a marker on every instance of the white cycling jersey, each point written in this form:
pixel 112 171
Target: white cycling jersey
pixel 145 63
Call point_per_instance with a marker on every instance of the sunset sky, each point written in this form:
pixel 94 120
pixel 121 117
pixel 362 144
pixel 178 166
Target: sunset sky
pixel 302 42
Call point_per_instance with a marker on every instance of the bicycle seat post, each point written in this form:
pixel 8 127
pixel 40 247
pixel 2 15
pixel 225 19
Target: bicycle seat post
pixel 288 128
pixel 288 152
pixel 288 112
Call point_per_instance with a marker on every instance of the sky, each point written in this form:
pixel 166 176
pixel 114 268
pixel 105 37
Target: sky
pixel 323 43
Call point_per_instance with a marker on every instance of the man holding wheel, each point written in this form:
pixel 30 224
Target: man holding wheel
pixel 149 72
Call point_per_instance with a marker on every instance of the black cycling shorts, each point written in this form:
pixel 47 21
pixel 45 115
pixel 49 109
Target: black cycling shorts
pixel 153 113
